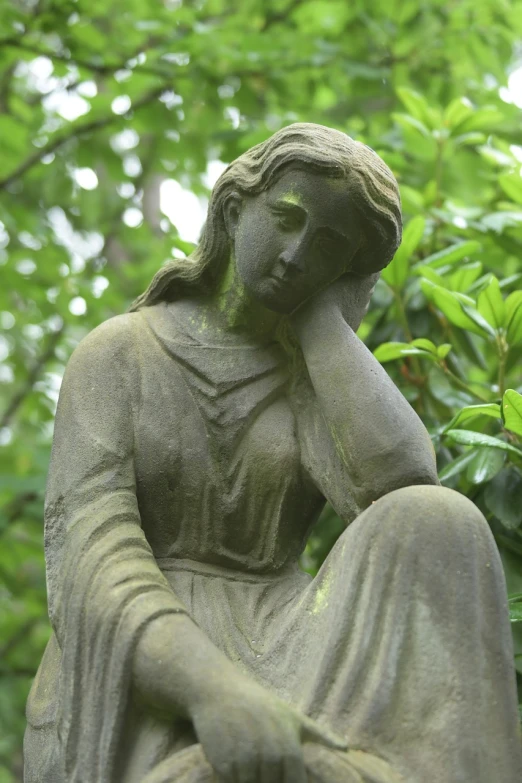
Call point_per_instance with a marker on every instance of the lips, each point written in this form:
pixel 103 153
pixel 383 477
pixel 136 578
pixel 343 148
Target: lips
pixel 281 280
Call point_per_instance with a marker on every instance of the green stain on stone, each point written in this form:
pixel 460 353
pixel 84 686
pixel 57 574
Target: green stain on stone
pixel 231 294
pixel 338 444
pixel 292 197
pixel 322 594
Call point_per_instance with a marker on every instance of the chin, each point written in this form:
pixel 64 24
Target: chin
pixel 283 308
pixel 281 302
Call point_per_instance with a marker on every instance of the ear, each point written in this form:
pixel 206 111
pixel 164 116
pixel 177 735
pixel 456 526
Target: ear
pixel 231 213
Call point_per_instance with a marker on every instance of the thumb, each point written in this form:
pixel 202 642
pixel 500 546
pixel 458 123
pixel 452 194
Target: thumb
pixel 313 732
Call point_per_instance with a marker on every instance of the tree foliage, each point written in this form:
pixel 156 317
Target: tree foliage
pixel 101 102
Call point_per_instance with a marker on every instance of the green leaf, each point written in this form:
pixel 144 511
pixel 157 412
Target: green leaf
pixel 513 322
pixel 426 345
pixel 417 137
pixel 396 273
pixel 453 306
pixel 456 466
pixel 485 465
pixel 491 305
pixel 457 111
pixel 413 123
pixel 491 410
pixel 481 120
pixel 477 317
pixel 450 255
pixel 512 411
pixel 503 497
pixel 387 352
pixel 515 613
pixel 511 184
pixel 430 274
pixel 418 106
pixel 443 350
pixel 470 438
pixel 473 138
pixel 465 276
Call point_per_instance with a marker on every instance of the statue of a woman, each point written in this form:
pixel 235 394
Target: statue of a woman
pixel 197 440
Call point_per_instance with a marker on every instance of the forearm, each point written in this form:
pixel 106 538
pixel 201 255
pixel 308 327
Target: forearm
pixel 176 666
pixel 377 434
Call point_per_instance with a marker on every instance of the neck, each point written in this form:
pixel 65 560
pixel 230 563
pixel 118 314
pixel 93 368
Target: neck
pixel 230 308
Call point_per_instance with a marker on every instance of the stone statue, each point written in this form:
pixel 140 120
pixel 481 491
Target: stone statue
pixel 197 439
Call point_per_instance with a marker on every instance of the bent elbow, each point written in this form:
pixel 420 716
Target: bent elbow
pixel 398 469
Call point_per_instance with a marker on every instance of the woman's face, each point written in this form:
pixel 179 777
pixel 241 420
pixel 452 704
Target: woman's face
pixel 294 239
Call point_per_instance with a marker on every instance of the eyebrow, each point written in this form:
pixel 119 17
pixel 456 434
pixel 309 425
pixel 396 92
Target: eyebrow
pixel 333 234
pixel 328 231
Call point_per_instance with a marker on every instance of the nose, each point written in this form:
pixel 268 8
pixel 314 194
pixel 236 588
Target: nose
pixel 292 261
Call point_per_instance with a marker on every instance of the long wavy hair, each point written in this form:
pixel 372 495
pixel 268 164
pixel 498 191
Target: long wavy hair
pixel 303 146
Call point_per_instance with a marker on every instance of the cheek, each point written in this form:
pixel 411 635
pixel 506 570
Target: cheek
pixel 255 252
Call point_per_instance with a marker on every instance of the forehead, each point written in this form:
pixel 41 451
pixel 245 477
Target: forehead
pixel 325 199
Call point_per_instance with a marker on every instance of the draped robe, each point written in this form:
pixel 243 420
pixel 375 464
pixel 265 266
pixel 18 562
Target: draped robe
pixel 186 475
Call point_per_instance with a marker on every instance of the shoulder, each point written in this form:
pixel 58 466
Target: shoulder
pixel 110 347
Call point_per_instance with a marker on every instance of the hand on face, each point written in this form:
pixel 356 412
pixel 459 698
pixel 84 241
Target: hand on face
pixel 349 294
pixel 294 239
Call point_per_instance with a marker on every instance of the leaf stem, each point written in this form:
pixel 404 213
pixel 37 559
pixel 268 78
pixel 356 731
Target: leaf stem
pixel 401 310
pixel 502 350
pixel 457 381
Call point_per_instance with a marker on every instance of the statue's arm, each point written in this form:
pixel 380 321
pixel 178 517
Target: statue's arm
pixel 105 587
pixel 377 435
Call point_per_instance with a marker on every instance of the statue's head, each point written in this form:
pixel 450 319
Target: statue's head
pixel 353 194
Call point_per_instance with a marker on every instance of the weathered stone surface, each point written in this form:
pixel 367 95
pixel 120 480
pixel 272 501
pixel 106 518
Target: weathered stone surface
pixel 197 439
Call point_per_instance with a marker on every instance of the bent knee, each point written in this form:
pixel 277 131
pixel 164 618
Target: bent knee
pixel 435 512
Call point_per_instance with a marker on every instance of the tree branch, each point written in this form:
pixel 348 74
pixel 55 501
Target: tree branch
pixel 31 379
pixel 280 16
pixel 100 68
pixel 15 508
pixel 77 131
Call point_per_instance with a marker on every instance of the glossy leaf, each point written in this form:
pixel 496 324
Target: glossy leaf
pixel 455 308
pixel 470 438
pixel 491 410
pixel 450 255
pixel 485 465
pixel 387 352
pixel 426 345
pixel 512 411
pixel 491 305
pixel 456 466
pixel 465 275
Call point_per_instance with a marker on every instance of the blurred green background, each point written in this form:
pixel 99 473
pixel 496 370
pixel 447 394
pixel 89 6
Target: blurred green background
pixel 115 120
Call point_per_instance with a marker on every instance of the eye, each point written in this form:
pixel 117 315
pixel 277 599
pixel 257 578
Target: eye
pixel 289 219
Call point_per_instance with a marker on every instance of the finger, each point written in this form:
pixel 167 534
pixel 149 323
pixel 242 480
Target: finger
pixel 249 772
pixel 272 770
pixel 312 732
pixel 247 764
pixel 294 768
